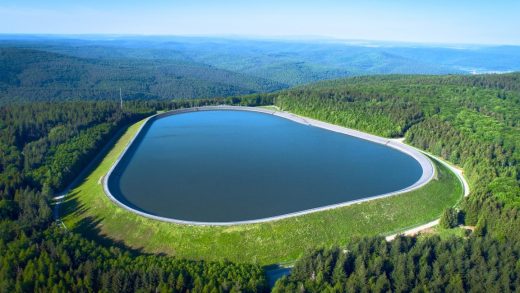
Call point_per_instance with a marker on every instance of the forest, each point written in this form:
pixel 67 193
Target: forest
pixel 286 62
pixel 43 146
pixel 471 121
pixel 40 68
pixel 28 74
pixel 406 264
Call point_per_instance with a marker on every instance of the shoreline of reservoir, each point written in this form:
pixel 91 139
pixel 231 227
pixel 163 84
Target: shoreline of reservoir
pixel 428 171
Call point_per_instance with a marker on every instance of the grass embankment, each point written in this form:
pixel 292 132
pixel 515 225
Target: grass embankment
pixel 89 211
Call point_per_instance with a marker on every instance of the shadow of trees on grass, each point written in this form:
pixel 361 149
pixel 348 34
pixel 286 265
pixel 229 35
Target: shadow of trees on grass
pixel 90 227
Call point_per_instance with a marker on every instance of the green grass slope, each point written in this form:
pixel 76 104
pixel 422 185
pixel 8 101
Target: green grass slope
pixel 89 211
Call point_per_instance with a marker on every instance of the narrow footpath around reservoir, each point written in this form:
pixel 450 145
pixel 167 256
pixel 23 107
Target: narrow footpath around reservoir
pixel 465 186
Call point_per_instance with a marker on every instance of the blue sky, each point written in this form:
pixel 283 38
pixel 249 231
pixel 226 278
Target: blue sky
pixel 425 21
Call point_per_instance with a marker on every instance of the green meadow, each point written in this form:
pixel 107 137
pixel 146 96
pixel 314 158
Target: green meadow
pixel 89 211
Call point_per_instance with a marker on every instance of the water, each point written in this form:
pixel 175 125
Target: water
pixel 220 166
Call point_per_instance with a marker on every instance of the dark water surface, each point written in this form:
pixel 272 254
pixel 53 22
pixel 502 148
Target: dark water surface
pixel 220 166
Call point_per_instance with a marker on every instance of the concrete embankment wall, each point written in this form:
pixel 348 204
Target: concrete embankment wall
pixel 426 165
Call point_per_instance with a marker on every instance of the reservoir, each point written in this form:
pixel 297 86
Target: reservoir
pixel 226 166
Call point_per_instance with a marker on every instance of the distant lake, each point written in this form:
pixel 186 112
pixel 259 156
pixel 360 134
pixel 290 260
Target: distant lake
pixel 222 165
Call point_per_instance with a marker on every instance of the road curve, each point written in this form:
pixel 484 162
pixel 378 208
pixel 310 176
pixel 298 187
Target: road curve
pixel 460 176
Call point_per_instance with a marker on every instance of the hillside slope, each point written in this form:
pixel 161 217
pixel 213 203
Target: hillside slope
pixel 35 75
pixel 288 62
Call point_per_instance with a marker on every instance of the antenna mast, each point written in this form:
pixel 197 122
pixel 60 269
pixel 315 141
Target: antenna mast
pixel 121 99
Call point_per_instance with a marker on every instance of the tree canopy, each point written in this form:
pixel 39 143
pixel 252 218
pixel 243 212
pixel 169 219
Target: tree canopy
pixel 43 147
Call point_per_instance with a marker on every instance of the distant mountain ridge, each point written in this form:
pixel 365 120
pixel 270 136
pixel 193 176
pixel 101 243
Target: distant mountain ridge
pixel 29 74
pixel 58 67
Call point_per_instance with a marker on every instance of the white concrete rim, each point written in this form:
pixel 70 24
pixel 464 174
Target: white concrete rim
pixel 423 160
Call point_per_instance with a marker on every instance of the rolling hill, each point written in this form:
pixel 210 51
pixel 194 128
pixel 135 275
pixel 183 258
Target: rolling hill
pixel 172 67
pixel 36 75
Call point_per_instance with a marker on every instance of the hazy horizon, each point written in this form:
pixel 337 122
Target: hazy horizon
pixel 267 38
pixel 404 21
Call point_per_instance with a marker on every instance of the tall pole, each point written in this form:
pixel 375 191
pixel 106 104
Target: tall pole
pixel 121 99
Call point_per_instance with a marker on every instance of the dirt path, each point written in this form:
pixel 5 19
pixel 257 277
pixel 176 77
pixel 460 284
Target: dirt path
pixel 457 171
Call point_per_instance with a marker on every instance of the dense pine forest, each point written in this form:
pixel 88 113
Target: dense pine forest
pixel 291 62
pixel 472 121
pixel 43 146
pixel 37 75
pixel 477 264
pixel 42 68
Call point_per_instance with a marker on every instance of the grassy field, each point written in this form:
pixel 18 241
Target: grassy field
pixel 89 211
